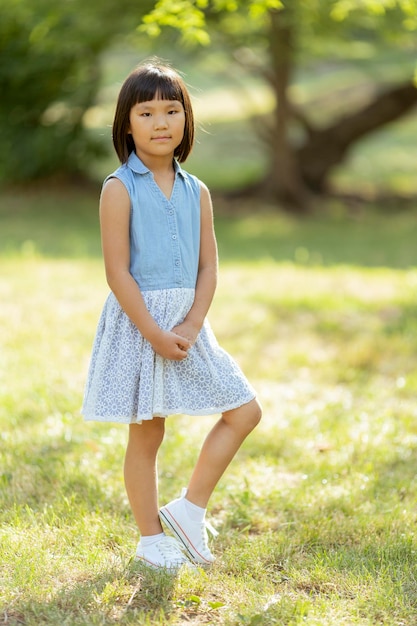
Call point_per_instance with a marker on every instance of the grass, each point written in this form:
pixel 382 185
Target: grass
pixel 317 514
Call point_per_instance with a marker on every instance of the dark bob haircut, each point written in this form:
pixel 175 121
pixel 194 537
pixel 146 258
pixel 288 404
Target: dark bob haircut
pixel 149 80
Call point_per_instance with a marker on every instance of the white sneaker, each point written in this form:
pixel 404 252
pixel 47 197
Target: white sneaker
pixel 166 553
pixel 193 535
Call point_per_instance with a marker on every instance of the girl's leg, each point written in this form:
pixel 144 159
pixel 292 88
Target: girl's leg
pixel 185 515
pixel 140 472
pixel 219 448
pixel 154 549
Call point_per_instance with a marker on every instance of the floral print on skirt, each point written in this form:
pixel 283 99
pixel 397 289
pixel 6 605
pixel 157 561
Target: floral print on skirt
pixel 128 382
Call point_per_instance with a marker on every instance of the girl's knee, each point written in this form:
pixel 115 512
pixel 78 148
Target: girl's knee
pixel 246 417
pixel 149 433
pixel 256 412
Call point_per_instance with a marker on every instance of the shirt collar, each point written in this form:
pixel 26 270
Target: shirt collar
pixel 136 165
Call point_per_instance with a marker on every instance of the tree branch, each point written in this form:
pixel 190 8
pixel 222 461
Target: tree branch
pixel 327 147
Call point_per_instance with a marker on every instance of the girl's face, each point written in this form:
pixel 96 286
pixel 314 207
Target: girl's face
pixel 157 127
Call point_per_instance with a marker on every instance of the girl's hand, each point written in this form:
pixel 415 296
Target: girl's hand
pixel 171 345
pixel 188 330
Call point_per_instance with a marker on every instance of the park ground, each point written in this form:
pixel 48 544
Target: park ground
pixel 317 514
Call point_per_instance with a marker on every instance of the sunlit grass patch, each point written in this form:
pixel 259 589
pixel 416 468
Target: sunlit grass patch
pixel 317 512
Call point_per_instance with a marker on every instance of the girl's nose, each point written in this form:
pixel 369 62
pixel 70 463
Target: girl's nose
pixel 161 121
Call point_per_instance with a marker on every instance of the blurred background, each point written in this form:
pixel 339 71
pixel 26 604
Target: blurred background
pixel 294 103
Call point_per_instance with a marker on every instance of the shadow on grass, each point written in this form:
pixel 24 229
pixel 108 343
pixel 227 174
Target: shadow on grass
pixel 134 594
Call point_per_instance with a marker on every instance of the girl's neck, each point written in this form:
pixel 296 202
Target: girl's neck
pixel 163 173
pixel 159 166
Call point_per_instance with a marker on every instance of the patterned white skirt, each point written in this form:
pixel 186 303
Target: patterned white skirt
pixel 128 382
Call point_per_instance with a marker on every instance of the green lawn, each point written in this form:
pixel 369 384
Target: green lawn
pixel 317 514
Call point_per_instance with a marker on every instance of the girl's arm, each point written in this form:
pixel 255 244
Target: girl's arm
pixel 114 222
pixel 207 273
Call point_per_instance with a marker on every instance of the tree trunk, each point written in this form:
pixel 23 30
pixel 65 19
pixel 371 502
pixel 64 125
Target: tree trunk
pixel 284 181
pixel 296 172
pixel 327 147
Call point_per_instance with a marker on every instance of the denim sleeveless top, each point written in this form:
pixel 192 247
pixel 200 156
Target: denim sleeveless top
pixel 164 233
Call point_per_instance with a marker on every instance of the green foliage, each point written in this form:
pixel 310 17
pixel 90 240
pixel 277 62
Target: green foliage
pixel 49 76
pixel 183 15
pixel 310 18
pixel 189 16
pixel 342 9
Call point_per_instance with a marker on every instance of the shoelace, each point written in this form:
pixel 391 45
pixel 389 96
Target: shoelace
pixel 213 532
pixel 170 550
pixel 204 548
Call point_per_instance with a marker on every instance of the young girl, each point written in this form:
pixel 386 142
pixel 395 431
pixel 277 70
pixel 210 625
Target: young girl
pixel 154 353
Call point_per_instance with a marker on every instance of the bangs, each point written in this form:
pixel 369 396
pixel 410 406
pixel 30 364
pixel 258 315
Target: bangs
pixel 158 86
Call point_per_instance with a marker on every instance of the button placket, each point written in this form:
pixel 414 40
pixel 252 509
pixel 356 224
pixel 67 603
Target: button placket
pixel 175 243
